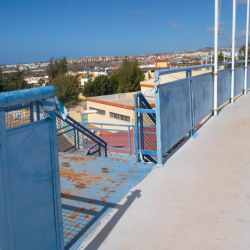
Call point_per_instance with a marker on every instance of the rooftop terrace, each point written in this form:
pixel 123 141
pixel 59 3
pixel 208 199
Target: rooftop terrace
pixel 199 199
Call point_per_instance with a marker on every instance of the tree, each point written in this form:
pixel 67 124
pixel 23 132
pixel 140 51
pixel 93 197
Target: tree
pixel 127 79
pixel 57 67
pixel 16 80
pixel 220 57
pixel 242 52
pixel 99 86
pixel 66 89
pixel 40 82
pixel 129 76
pixel 4 86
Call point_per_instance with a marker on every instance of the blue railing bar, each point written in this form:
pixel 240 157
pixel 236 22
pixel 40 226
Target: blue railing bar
pixel 65 132
pixel 31 112
pixel 83 128
pixel 16 108
pixel 37 111
pixel 26 95
pixel 146 111
pixel 148 152
pixel 129 143
pixel 123 149
pixel 108 129
pixel 134 139
pixel 169 71
pixel 63 127
pixel 88 151
pixel 136 124
pixel 68 149
pixel 84 131
pixel 108 124
pixel 93 152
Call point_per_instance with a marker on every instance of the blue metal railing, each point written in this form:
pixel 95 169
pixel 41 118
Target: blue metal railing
pixel 73 136
pixel 183 104
pixel 119 139
pixel 145 121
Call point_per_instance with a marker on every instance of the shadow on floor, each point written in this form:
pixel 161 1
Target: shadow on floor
pixel 78 220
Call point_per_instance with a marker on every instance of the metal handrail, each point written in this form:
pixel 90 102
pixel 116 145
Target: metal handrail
pixel 169 71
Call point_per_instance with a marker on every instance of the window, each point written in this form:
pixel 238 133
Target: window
pixel 99 111
pixel 120 117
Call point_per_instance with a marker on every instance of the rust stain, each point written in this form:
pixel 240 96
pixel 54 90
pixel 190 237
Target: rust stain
pixel 117 184
pixel 97 184
pixel 135 167
pixel 111 181
pixel 70 223
pixel 98 192
pixel 67 234
pixel 82 208
pixel 123 179
pixel 90 201
pixel 104 198
pixel 120 181
pixel 82 235
pixel 108 193
pixel 124 161
pixel 76 158
pixel 113 191
pixel 93 209
pixel 64 194
pixel 66 165
pixel 77 225
pixel 73 216
pixel 120 175
pixel 105 170
pixel 81 186
pixel 109 205
pixel 135 163
pixel 105 188
pixel 86 216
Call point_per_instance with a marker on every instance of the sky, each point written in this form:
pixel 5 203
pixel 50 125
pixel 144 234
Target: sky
pixel 36 30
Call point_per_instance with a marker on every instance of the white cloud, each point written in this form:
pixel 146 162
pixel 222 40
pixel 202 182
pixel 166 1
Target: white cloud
pixel 211 30
pixel 174 25
pixel 223 24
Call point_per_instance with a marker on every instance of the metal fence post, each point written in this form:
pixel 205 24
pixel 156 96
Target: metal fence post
pixel 141 126
pixel 56 177
pixel 158 128
pixel 78 139
pixel 233 52
pixel 192 131
pixel 129 140
pixel 31 112
pixel 37 111
pixel 136 130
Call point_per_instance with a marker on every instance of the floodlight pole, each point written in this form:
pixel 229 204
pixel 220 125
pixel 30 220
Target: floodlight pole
pixel 246 51
pixel 216 30
pixel 233 52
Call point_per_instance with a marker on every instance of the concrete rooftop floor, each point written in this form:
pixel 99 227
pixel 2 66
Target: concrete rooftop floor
pixel 200 198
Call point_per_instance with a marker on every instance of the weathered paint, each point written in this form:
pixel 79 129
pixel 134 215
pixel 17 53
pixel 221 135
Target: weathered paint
pixel 91 187
pixel 30 207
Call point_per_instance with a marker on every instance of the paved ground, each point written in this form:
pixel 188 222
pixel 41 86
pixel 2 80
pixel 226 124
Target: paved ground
pixel 91 187
pixel 199 200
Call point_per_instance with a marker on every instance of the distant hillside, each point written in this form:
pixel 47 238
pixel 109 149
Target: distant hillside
pixel 207 49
